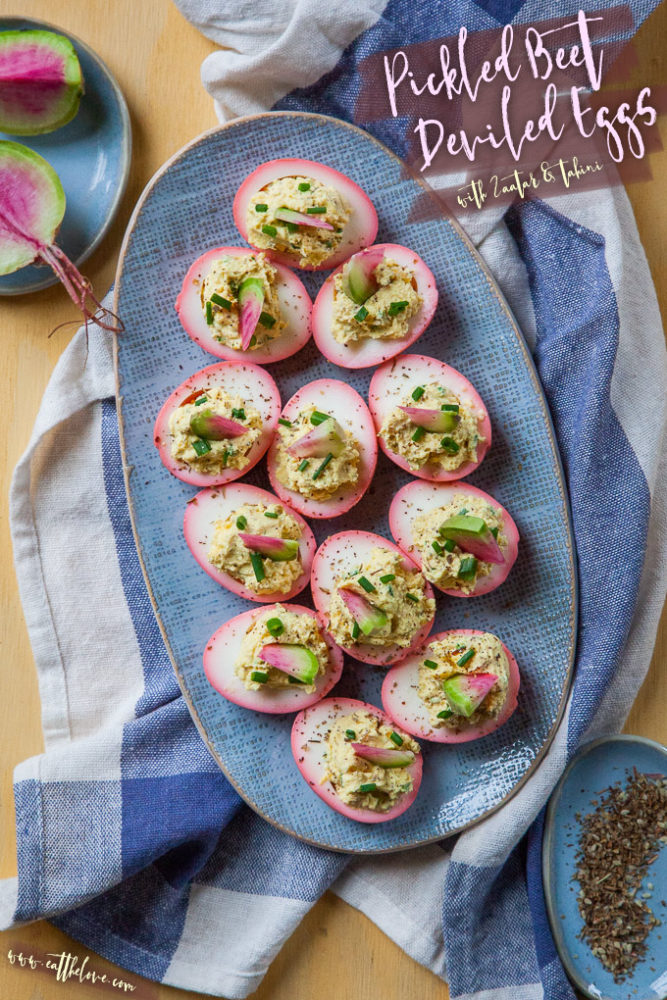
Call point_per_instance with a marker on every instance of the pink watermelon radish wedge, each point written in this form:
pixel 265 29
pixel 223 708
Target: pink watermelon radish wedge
pixel 359 231
pixel 472 534
pixel 251 300
pixel 295 306
pixel 299 219
pixel 277 549
pixel 359 281
pixel 419 497
pixel 220 660
pixel 397 380
pixel 239 378
pixel 326 437
pixel 217 503
pixel 309 747
pixel 431 420
pixel 402 703
pixel 466 692
pixel 340 401
pixel 370 351
pixel 340 555
pixel 384 757
pixel 292 659
pixel 40 82
pixel 368 618
pixel 213 427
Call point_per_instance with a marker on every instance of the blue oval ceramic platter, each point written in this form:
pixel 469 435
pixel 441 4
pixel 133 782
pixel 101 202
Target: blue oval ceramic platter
pixel 596 767
pixel 91 155
pixel 186 210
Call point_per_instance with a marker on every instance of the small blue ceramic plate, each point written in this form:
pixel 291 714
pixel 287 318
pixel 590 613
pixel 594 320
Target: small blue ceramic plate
pixel 186 210
pixel 597 766
pixel 91 155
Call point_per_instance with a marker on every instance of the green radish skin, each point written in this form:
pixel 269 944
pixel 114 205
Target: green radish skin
pixel 466 692
pixel 41 83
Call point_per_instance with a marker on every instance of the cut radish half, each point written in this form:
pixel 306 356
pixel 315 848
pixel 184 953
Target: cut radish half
pixel 401 699
pixel 340 401
pixel 220 662
pixel 360 230
pixel 309 746
pixel 40 82
pixel 295 307
pixel 338 556
pixel 252 384
pixel 392 385
pixel 372 351
pixel 420 497
pixel 217 503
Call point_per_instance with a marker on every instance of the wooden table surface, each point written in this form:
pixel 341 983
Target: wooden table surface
pixel 155 55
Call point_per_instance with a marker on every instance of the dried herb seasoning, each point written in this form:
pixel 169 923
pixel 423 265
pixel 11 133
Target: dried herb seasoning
pixel 618 842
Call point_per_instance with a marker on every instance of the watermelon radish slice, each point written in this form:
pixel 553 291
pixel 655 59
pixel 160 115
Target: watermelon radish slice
pixel 419 497
pixel 295 306
pixel 241 378
pixel 466 692
pixel 367 617
pixel 384 757
pixel 292 659
pixel 340 401
pixel 251 300
pixel 360 230
pixel 431 420
pixel 40 82
pixel 359 281
pixel 397 379
pixel 401 700
pixel 299 219
pixel 217 503
pixel 220 661
pixel 472 534
pixel 276 549
pixel 213 427
pixel 339 555
pixel 372 351
pixel 309 735
pixel 326 437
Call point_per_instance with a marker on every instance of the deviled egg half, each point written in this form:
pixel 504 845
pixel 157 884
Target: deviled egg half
pixel 250 542
pixel 463 540
pixel 304 213
pixel 235 303
pixel 356 759
pixel 457 687
pixel 275 659
pixel 371 598
pixel 218 424
pixel 429 419
pixel 374 306
pixel 323 457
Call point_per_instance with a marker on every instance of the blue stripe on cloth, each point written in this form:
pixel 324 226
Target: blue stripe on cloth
pixel 29 849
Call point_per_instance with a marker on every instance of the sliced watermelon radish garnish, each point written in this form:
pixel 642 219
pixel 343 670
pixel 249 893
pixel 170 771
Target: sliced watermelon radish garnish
pixel 431 420
pixel 209 506
pixel 295 308
pixel 472 534
pixel 320 441
pixel 337 558
pixel 220 658
pixel 405 375
pixel 341 402
pixel 251 300
pixel 293 659
pixel 384 757
pixel 401 700
pixel 237 378
pixel 367 617
pixel 40 82
pixel 359 281
pixel 309 747
pixel 359 231
pixel 371 351
pixel 419 497
pixel 213 427
pixel 300 219
pixel 466 692
pixel 277 549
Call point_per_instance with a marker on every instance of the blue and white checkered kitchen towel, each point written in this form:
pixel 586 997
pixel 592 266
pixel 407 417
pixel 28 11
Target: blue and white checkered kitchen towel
pixel 129 837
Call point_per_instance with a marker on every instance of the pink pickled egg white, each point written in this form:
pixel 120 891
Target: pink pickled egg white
pixel 314 724
pixel 360 230
pixel 254 385
pixel 215 504
pixel 341 401
pixel 370 351
pixel 419 497
pixel 334 559
pixel 401 700
pixel 220 663
pixel 295 306
pixel 392 385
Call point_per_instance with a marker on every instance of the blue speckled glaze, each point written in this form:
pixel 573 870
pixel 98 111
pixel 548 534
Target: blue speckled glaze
pixel 597 766
pixel 91 155
pixel 187 210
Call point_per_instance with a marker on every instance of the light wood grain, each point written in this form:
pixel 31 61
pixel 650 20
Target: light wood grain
pixel 155 55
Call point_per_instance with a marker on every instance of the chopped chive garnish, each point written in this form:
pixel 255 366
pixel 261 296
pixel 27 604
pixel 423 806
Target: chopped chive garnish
pixel 494 532
pixel 362 314
pixel 468 568
pixel 209 313
pixel 266 320
pixel 418 393
pixel 350 734
pixel 356 631
pixel 317 417
pixel 464 510
pixel 238 413
pixel 294 680
pixel 261 208
pixel 369 787
pixel 462 660
pixel 316 210
pixel 449 545
pixel 366 584
pixel 202 399
pixel 201 446
pixel 395 738
pixel 258 566
pixel 445 714
pixel 411 597
pixel 285 423
pixel 418 434
pixel 437 547
pixel 303 465
pixel 450 445
pixel 304 186
pixel 291 227
pixel 431 664
pixel 275 626
pixel 396 307
pixel 271 513
pixel 259 676
pixel 387 578
pixel 219 301
pixel 253 341
pixel 451 407
pixel 322 466
pixel 225 455
pixel 241 523
pixel 269 230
